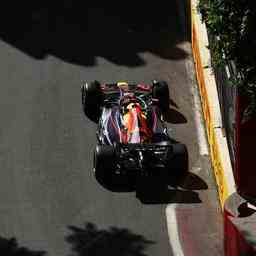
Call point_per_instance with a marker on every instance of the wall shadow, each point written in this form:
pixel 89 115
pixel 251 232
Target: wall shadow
pixel 77 33
pixel 90 240
pixel 10 247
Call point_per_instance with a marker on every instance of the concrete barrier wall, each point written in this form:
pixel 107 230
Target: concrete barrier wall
pixel 211 109
pixel 239 219
pixel 239 227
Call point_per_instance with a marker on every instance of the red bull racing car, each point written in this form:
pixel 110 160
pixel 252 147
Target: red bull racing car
pixel 132 135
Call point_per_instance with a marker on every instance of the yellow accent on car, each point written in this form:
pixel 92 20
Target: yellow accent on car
pixel 122 84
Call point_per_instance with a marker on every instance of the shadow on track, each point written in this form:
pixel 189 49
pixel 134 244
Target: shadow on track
pixel 10 247
pixel 156 191
pixel 120 184
pixel 193 182
pixel 167 196
pixel 77 33
pixel 174 117
pixel 90 240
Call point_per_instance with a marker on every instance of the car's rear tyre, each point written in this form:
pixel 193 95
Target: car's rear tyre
pixel 92 99
pixel 161 92
pixel 178 162
pixel 104 164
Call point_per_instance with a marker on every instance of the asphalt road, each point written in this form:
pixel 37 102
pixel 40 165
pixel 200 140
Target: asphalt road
pixel 50 201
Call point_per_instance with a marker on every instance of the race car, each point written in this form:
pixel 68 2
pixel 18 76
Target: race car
pixel 132 137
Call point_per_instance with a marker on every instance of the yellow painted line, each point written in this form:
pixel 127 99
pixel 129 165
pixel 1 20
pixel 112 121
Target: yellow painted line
pixel 219 170
pixel 211 111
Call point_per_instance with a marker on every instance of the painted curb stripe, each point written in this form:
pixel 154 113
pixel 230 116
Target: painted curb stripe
pixel 208 91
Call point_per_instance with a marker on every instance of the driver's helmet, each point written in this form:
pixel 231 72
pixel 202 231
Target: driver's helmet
pixel 124 86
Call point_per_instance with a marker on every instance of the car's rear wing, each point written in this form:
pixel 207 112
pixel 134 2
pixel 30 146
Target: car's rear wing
pixel 158 147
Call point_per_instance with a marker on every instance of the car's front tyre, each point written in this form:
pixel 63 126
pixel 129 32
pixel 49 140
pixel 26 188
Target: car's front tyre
pixel 160 91
pixel 92 99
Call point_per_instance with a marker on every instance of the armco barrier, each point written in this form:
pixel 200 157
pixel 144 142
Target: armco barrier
pixel 239 227
pixel 211 109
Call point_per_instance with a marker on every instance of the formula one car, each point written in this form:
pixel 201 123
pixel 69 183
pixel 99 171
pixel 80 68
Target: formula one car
pixel 132 135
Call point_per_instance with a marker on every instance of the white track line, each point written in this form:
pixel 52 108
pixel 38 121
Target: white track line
pixel 198 117
pixel 200 129
pixel 172 227
pixel 189 64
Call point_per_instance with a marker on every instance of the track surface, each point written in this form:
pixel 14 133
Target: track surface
pixel 49 199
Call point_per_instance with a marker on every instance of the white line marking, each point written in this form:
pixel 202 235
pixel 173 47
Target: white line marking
pixel 172 227
pixel 199 121
pixel 200 129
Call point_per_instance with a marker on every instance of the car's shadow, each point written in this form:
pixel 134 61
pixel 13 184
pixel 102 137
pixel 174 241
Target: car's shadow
pixel 193 182
pixel 174 117
pixel 119 184
pixel 175 190
pixel 159 190
pixel 163 195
